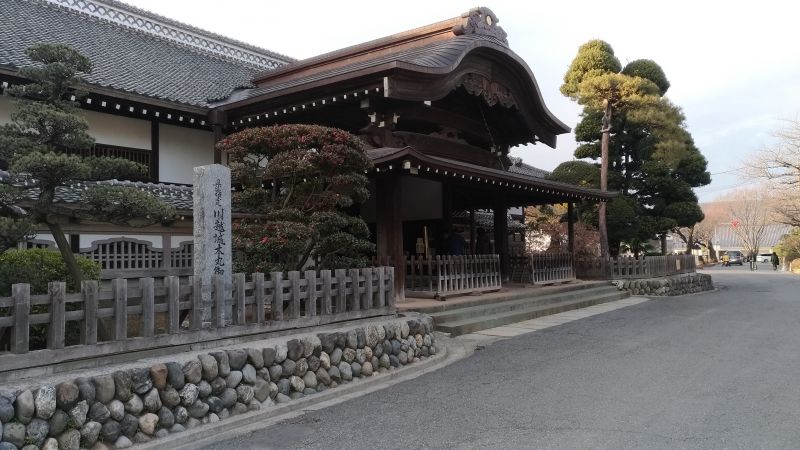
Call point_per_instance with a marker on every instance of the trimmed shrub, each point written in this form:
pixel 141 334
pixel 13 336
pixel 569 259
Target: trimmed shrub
pixel 38 267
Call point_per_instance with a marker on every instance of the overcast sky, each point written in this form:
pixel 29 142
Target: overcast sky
pixel 734 66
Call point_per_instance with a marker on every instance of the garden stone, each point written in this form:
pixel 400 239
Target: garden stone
pixel 297 383
pixel 371 334
pixel 237 358
pixel 218 385
pixel 273 390
pixel 170 397
pixel 296 395
pixel 323 377
pixel 110 430
pixel 325 361
pixel 25 406
pixel 288 367
pixel 198 410
pixel 189 394
pixel 233 379
pixel 335 375
pixel 284 386
pixel 352 339
pixel 45 402
pixel 327 342
pixel 67 394
pixel 310 380
pixel 158 373
pixel 275 372
pixel 378 349
pixel 313 363
pixel 152 401
pixel 215 404
pixel 367 354
pixel 356 368
pixel 418 340
pixel 426 341
pixel 361 356
pixel 117 409
pixel 238 408
pixel 263 373
pixel 375 363
pixel 397 347
pixel 387 347
pixel 308 346
pixel 89 433
pixel 281 352
pixel 381 333
pixel 129 425
pixel 404 346
pixel 403 357
pixel 361 338
pixel 58 423
pixel 209 367
pixel 423 351
pixel 261 390
pixel 348 355
pixel 366 369
pixel 346 370
pixel 245 393
pixel 140 380
pixel 148 423
pixel 122 385
pixel 223 363
pixel 162 433
pixel 255 357
pixel 388 331
pixel 228 397
pixel 50 444
pixel 193 371
pixel 213 418
pixel 181 414
pixel 432 350
pixel 301 367
pixel 336 357
pixel 6 409
pixel 165 418
pixel 192 423
pixel 37 431
pixel 384 361
pixel 141 438
pixel 294 349
pixel 268 354
pixel 70 440
pixel 177 428
pixel 175 375
pixel 281 398
pixel 99 412
pixel 394 361
pixel 134 405
pixel 123 442
pixel 254 405
pixel 14 433
pixel 249 374
pixel 78 413
pixel 203 389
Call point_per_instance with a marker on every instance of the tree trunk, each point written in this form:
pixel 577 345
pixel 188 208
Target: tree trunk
pixel 604 142
pixel 663 239
pixel 690 241
pixel 66 254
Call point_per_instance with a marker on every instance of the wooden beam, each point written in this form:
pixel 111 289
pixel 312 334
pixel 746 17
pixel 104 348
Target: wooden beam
pixel 501 234
pixel 154 151
pixel 389 231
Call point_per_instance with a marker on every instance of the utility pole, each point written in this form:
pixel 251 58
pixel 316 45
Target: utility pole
pixel 604 141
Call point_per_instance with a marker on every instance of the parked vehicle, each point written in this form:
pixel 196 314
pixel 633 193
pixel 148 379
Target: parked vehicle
pixel 765 257
pixel 735 257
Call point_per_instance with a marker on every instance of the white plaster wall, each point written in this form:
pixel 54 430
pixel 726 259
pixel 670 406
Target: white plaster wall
pixel 180 150
pixel 118 130
pixel 5 109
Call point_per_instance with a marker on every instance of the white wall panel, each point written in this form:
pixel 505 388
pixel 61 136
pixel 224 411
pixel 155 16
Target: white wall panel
pixel 180 150
pixel 118 130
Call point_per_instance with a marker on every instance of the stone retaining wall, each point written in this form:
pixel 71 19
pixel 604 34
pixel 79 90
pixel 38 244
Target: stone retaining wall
pixel 115 410
pixel 666 286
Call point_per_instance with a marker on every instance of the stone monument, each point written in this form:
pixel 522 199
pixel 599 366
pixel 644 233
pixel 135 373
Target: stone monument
pixel 212 231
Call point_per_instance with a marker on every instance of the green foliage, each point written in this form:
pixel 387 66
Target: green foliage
pixel 789 247
pixel 579 173
pixel 38 267
pixel 649 70
pixel 311 174
pixel 594 58
pixel 125 206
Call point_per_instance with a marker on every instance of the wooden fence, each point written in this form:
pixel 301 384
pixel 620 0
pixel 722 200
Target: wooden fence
pixel 441 276
pixel 151 314
pixel 631 267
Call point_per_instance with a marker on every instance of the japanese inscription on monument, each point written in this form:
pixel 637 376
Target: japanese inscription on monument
pixel 212 230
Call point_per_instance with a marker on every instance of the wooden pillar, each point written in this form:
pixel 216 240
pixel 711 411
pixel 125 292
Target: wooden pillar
pixel 166 251
pixel 471 231
pixel 217 119
pixel 571 228
pixel 389 229
pixel 154 151
pixel 501 234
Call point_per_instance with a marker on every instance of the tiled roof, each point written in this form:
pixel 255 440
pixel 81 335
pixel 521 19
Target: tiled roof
pixel 520 167
pixel 123 58
pixel 179 196
pixel 485 219
pixel 724 237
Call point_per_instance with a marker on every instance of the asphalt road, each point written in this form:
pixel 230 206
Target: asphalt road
pixel 716 370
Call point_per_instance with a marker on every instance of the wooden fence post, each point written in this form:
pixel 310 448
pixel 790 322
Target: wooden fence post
pixel 341 288
pixel 369 295
pixel 326 293
pixel 382 287
pixel 277 296
pixel 240 314
pixel 259 297
pixel 22 308
pixel 89 328
pixel 311 293
pixel 173 286
pixel 120 288
pixel 55 336
pixel 197 302
pixel 390 296
pixel 294 294
pixel 218 294
pixel 148 307
pixel 355 282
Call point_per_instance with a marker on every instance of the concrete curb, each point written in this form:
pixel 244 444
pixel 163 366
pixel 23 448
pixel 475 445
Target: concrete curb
pixel 450 351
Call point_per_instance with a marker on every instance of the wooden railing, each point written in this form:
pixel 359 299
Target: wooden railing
pixel 449 275
pixel 631 267
pixel 149 314
pixel 132 258
pixel 551 267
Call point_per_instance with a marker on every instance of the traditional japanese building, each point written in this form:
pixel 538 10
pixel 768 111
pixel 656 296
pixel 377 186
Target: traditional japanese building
pixel 439 107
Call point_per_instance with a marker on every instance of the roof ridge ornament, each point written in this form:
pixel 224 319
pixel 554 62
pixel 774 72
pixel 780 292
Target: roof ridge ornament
pixel 481 21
